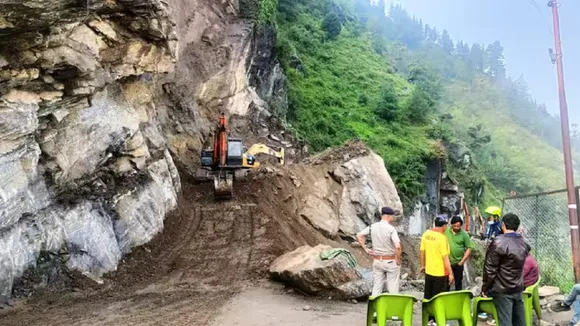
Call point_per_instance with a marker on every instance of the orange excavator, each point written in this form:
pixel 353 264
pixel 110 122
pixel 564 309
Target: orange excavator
pixel 229 160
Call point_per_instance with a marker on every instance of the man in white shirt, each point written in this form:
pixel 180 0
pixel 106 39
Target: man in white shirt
pixel 386 252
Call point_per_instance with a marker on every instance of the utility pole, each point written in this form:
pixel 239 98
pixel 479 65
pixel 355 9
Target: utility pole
pixel 573 216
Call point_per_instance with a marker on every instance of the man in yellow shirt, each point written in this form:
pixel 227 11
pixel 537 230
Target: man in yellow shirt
pixel 435 260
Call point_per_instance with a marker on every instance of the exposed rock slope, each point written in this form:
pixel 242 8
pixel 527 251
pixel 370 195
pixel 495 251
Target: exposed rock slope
pixel 99 102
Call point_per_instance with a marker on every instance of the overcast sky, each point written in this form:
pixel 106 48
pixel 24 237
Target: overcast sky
pixel 524 33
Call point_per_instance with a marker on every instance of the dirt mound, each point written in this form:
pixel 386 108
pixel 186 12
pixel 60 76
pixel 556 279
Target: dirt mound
pixel 351 149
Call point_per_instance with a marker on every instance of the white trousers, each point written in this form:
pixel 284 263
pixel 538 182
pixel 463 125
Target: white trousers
pixel 385 271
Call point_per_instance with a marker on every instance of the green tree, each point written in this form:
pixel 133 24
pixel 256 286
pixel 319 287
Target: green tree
pixel 427 80
pixel 420 106
pixel 434 35
pixel 477 57
pixel 478 137
pixel 388 105
pixel 332 25
pixel 446 42
pixel 406 29
pixel 427 32
pixel 495 66
pixel 462 51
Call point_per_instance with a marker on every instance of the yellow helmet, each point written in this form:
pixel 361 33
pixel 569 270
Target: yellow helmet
pixel 493 210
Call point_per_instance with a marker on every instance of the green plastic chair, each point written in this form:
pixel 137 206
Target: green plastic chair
pixel 391 307
pixel 481 304
pixel 532 302
pixel 449 306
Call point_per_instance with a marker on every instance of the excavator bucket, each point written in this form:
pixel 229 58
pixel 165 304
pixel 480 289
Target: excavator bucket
pixel 223 184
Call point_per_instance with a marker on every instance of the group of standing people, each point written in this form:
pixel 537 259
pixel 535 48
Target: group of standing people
pixel 508 269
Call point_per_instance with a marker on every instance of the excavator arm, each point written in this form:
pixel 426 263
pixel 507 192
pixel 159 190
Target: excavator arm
pixel 249 156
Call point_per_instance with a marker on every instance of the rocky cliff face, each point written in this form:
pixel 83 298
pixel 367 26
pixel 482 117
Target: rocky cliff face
pixel 99 102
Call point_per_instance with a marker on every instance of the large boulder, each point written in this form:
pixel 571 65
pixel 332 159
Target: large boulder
pixel 343 189
pixel 367 187
pixel 304 269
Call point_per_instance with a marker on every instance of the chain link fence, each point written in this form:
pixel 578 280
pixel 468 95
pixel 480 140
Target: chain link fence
pixel 546 227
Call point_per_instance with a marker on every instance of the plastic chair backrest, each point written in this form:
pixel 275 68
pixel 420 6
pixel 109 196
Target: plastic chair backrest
pixel 486 305
pixel 449 302
pixel 450 306
pixel 393 307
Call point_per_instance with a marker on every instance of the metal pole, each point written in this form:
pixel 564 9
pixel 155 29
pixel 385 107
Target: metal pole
pixel 575 236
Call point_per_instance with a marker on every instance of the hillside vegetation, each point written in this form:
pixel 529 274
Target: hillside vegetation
pixel 414 95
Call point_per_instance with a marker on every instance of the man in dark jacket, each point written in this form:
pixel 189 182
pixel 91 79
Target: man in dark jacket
pixel 502 273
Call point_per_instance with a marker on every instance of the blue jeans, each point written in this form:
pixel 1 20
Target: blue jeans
pixel 572 300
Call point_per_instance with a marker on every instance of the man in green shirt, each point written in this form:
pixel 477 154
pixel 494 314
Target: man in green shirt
pixel 460 249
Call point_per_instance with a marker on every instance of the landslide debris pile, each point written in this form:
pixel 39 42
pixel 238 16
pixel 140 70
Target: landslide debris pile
pixel 221 242
pixel 209 250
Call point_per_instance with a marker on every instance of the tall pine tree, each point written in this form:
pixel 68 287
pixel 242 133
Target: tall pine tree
pixel 434 36
pixel 446 42
pixel 496 67
pixel 427 32
pixel 462 51
pixel 477 57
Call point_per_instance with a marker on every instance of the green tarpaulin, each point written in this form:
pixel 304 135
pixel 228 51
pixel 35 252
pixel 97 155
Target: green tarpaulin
pixel 333 253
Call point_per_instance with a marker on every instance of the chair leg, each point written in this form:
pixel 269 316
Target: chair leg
pixel 528 312
pixel 370 313
pixel 475 313
pixel 495 318
pixel 440 320
pixel 381 317
pixel 408 319
pixel 537 307
pixel 425 318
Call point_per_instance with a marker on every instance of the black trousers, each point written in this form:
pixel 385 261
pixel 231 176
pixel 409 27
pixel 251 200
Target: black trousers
pixel 458 275
pixel 435 285
pixel 510 309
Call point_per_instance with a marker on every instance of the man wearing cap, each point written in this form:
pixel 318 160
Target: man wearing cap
pixel 435 260
pixel 386 252
pixel 460 246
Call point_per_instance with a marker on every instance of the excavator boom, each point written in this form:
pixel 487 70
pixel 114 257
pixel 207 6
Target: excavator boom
pixel 220 145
